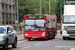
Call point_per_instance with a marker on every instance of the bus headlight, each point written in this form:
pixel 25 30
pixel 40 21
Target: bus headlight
pixel 26 34
pixel 43 34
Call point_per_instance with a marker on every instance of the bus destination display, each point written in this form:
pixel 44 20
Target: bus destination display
pixel 35 17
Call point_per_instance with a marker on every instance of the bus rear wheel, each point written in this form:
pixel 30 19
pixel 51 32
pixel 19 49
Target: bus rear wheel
pixel 54 36
pixel 48 36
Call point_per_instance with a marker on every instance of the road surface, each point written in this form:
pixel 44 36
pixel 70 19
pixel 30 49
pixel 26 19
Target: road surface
pixel 41 44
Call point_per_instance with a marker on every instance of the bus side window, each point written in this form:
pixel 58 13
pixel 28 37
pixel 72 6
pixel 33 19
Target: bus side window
pixel 49 24
pixel 54 23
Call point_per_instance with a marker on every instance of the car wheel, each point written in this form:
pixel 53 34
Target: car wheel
pixel 14 45
pixel 64 38
pixel 29 39
pixel 5 47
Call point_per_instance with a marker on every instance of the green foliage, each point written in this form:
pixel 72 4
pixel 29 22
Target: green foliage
pixel 59 25
pixel 58 9
pixel 15 26
pixel 18 26
pixel 33 7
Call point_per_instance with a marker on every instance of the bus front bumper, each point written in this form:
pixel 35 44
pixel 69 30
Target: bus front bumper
pixel 35 37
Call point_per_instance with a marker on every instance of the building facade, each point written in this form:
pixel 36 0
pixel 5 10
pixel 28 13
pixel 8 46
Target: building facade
pixel 8 15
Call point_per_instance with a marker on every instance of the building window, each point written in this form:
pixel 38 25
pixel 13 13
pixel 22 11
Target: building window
pixel 13 1
pixel 3 1
pixel 3 16
pixel 16 17
pixel 10 1
pixel 3 23
pixel 6 7
pixel 10 22
pixel 13 8
pixel 6 22
pixel 10 8
pixel 13 17
pixel 13 22
pixel 2 7
pixel 10 16
pixel 7 17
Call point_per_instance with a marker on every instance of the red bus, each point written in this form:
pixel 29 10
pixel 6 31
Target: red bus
pixel 40 26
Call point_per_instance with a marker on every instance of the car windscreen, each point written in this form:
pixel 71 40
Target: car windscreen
pixel 2 29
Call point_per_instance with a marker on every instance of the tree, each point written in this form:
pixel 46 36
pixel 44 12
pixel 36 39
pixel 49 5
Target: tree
pixel 32 7
pixel 58 10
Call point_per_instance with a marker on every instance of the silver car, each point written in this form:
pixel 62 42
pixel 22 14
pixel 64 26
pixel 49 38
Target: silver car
pixel 8 37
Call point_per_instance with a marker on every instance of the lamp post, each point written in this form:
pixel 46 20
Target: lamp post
pixel 40 7
pixel 49 7
pixel 61 11
pixel 64 2
pixel 17 12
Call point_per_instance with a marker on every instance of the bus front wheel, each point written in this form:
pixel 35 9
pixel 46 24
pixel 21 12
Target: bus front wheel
pixel 29 39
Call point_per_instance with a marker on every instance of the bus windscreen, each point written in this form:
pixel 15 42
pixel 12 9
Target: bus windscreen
pixel 34 24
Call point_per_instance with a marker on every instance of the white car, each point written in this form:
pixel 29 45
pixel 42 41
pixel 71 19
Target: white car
pixel 8 37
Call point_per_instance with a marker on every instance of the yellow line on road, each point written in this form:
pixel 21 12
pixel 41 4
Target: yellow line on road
pixel 22 41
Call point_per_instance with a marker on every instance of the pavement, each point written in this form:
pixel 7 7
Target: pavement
pixel 20 37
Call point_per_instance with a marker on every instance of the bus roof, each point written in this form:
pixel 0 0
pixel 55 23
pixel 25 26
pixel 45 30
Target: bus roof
pixel 51 16
pixel 47 16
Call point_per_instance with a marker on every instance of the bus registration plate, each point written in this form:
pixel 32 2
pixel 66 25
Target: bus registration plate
pixel 34 37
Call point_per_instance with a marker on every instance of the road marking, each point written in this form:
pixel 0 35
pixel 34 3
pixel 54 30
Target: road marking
pixel 72 48
pixel 65 47
pixel 38 44
pixel 25 47
pixel 47 41
pixel 22 41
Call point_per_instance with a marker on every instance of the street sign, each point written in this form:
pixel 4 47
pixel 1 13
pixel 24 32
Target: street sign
pixel 16 21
